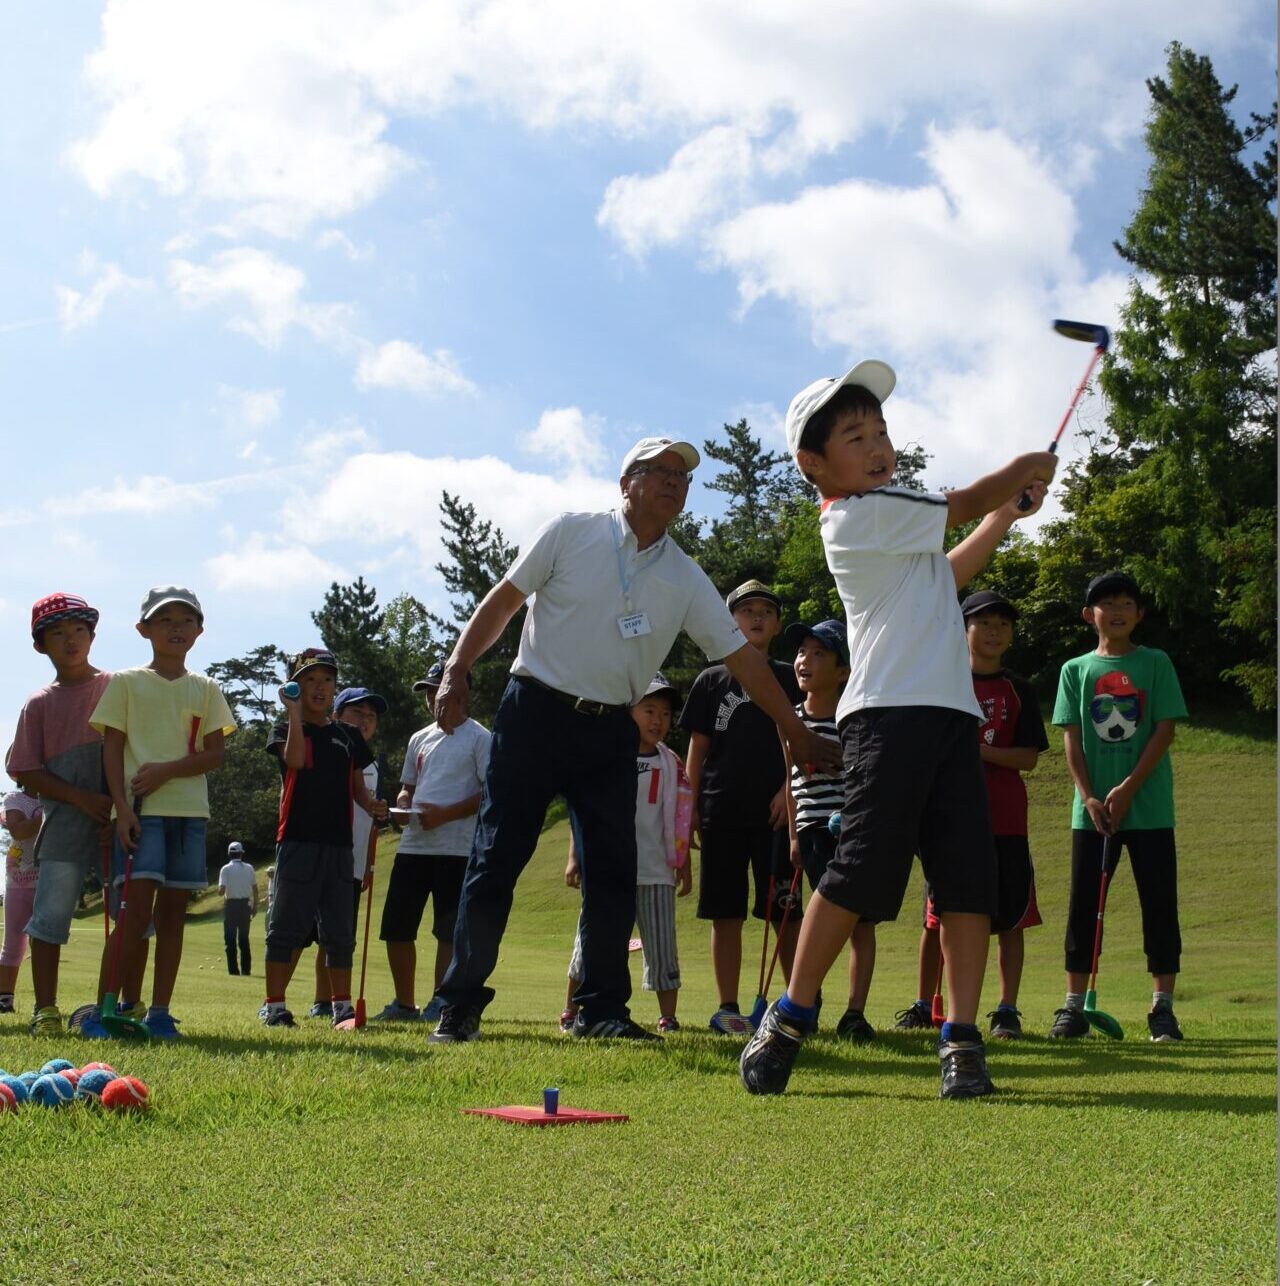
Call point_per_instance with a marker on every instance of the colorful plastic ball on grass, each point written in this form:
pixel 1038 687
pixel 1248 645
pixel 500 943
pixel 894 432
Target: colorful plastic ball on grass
pixel 28 1078
pixel 72 1074
pixel 8 1100
pixel 98 1067
pixel 92 1083
pixel 52 1091
pixel 126 1094
pixel 55 1065
pixel 16 1087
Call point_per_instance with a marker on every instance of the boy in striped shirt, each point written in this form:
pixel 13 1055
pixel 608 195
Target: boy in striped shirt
pixel 822 670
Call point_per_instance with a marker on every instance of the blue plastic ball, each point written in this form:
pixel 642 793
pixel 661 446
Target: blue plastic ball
pixel 52 1091
pixel 93 1083
pixel 291 690
pixel 55 1065
pixel 833 823
pixel 18 1086
pixel 29 1078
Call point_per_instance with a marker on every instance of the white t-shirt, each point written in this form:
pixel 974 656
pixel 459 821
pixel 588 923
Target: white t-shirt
pixel 20 869
pixel 237 879
pixel 445 770
pixel 571 639
pixel 362 824
pixel 652 866
pixel 906 635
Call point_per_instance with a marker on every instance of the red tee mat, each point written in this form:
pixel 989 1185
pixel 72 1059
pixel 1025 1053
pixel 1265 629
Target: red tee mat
pixel 536 1116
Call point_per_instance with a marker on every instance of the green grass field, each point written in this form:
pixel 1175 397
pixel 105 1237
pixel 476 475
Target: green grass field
pixel 313 1155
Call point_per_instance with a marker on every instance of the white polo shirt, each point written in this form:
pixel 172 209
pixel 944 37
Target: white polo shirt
pixel 906 635
pixel 445 770
pixel 575 569
pixel 237 878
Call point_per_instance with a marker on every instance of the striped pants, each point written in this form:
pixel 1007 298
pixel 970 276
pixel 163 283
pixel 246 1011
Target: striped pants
pixel 656 919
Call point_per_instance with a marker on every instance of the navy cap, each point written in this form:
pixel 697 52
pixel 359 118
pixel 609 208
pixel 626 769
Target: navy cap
pixel 987 600
pixel 1111 583
pixel 831 634
pixel 349 696
pixel 435 677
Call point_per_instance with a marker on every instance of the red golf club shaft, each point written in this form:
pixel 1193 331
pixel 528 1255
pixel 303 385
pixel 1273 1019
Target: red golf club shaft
pixel 782 928
pixel 936 1015
pixel 764 944
pixel 364 954
pixel 1025 503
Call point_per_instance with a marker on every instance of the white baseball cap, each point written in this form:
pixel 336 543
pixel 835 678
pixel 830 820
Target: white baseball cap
pixel 876 377
pixel 235 848
pixel 651 448
pixel 162 595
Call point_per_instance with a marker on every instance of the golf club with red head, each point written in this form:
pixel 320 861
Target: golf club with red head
pixel 1086 333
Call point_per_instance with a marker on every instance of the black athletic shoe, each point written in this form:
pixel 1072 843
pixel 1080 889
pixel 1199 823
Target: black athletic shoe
pixel 964 1070
pixel 853 1026
pixel 913 1017
pixel 457 1023
pixel 610 1029
pixel 269 1017
pixel 765 1065
pixel 1068 1024
pixel 321 1009
pixel 1163 1025
pixel 1006 1024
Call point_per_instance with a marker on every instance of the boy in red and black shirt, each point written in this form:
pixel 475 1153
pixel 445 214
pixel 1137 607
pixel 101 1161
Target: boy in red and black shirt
pixel 1010 740
pixel 322 767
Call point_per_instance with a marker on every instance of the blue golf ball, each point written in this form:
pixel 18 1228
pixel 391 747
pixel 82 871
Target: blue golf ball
pixel 55 1065
pixel 15 1083
pixel 29 1078
pixel 52 1091
pixel 291 690
pixel 833 824
pixel 93 1083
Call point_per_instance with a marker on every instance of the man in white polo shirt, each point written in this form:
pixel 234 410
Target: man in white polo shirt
pixel 238 884
pixel 611 591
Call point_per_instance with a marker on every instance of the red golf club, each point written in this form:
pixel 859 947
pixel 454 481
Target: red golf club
pixel 761 1004
pixel 937 1016
pixel 360 1019
pixel 117 1024
pixel 1086 333
pixel 792 900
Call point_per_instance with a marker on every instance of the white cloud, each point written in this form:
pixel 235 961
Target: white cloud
pixel 263 565
pixel 251 408
pixel 145 494
pixel 77 308
pixel 398 364
pixel 563 433
pixel 334 238
pixel 325 446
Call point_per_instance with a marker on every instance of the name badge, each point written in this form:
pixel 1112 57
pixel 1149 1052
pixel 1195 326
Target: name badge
pixel 634 624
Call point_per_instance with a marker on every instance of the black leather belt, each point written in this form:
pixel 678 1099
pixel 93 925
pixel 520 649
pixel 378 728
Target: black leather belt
pixel 582 705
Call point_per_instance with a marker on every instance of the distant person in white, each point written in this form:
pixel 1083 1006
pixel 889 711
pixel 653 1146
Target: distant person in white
pixel 238 884
pixel 610 593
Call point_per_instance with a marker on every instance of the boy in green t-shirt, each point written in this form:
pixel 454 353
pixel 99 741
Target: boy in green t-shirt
pixel 1116 706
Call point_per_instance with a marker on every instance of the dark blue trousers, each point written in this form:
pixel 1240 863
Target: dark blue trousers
pixel 542 748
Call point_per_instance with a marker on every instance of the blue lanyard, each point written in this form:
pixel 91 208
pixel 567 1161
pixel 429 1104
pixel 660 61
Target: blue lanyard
pixel 623 579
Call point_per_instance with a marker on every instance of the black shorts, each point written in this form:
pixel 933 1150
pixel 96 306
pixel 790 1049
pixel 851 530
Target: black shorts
pixel 357 889
pixel 1153 856
pixel 913 784
pixel 728 852
pixel 311 896
pixel 817 848
pixel 414 878
pixel 1016 906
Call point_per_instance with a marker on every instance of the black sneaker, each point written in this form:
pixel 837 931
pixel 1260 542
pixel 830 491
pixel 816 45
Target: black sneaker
pixel 457 1023
pixel 913 1017
pixel 321 1009
pixel 853 1026
pixel 610 1029
pixel 964 1070
pixel 1163 1025
pixel 1068 1024
pixel 765 1065
pixel 275 1017
pixel 1006 1023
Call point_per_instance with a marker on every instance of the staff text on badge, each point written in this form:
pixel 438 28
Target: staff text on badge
pixel 634 624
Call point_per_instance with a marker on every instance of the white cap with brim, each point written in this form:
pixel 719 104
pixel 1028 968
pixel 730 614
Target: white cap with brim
pixel 652 448
pixel 876 377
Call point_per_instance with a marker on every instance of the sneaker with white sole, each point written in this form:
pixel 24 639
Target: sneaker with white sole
pixel 667 1025
pixel 1006 1023
pixel 727 1021
pixel 46 1022
pixel 342 1011
pixel 395 1012
pixel 457 1023
pixel 1163 1026
pixel 321 1009
pixel 914 1017
pixel 964 1070
pixel 610 1029
pixel 765 1065
pixel 432 1010
pixel 275 1016
pixel 1068 1024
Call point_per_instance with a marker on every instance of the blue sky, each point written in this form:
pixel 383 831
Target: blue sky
pixel 274 276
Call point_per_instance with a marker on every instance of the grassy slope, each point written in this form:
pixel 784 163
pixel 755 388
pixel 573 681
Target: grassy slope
pixel 313 1155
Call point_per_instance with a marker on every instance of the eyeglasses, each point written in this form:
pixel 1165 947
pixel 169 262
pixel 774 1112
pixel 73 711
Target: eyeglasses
pixel 672 475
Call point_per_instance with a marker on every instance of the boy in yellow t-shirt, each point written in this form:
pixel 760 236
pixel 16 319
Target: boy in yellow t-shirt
pixel 163 730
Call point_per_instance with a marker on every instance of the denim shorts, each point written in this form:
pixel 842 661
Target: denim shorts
pixel 170 851
pixel 58 886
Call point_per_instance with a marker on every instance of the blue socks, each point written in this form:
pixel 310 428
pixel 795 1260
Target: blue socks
pixel 798 1015
pixel 965 1033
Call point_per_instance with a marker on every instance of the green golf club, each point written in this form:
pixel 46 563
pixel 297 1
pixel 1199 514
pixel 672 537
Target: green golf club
pixel 117 1024
pixel 1098 1018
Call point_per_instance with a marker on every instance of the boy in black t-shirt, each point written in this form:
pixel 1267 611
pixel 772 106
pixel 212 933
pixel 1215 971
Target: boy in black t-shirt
pixel 736 767
pixel 321 772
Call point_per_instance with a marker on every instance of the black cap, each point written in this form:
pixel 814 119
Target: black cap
pixel 752 589
pixel 435 677
pixel 1111 583
pixel 987 600
pixel 831 634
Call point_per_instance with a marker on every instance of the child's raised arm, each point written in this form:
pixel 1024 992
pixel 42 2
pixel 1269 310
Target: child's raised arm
pixel 981 497
pixel 972 554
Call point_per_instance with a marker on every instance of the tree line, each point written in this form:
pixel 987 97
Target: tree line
pixel 1177 484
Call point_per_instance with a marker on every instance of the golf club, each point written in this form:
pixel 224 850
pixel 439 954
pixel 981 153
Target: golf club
pixel 1098 1019
pixel 359 1019
pixel 761 1004
pixel 1086 333
pixel 106 887
pixel 936 1014
pixel 117 1024
pixel 792 900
